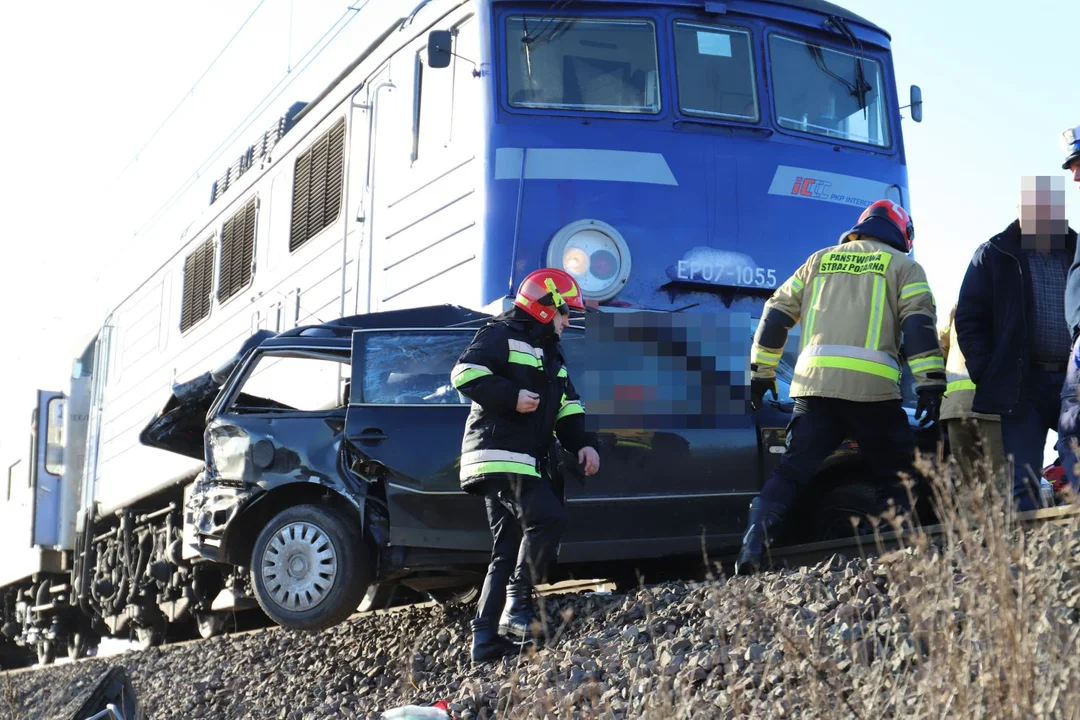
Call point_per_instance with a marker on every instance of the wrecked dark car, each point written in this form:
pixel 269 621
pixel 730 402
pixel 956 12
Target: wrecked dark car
pixel 332 453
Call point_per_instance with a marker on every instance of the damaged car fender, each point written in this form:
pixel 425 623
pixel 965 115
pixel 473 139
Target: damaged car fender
pixel 258 465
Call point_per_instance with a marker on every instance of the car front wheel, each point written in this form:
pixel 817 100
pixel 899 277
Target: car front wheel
pixel 309 568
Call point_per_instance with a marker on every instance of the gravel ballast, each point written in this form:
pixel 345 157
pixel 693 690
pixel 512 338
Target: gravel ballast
pixel 844 638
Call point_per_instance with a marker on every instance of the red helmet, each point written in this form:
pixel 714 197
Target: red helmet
pixel 544 291
pixel 895 214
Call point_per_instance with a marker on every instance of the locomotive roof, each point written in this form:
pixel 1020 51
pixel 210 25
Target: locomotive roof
pixel 828 8
pixel 817 6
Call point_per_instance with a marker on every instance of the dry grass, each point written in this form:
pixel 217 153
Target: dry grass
pixel 979 621
pixel 9 699
pixel 991 613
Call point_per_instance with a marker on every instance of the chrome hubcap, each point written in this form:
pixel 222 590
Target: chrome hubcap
pixel 299 566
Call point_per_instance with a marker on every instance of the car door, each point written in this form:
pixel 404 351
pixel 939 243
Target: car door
pixel 406 416
pixel 679 455
pixel 282 420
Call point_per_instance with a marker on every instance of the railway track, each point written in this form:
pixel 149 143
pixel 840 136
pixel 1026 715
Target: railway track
pixel 779 557
pixel 560 588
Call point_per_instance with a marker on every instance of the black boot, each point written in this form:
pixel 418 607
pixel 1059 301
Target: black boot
pixel 487 644
pixel 518 614
pixel 765 517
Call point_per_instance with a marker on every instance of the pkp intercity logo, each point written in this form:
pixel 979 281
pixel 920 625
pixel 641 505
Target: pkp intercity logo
pixel 811 187
pixel 830 187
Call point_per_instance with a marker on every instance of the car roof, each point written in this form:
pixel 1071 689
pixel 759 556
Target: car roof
pixel 430 316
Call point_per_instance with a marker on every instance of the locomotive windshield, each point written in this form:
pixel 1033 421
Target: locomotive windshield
pixel 583 64
pixel 612 65
pixel 828 92
pixel 715 70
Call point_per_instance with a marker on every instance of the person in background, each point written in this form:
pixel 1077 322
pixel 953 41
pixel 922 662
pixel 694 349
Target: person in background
pixel 1011 327
pixel 974 438
pixel 1069 422
pixel 515 374
pixel 854 300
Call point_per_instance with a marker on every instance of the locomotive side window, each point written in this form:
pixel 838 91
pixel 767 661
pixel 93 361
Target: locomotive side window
pixel 237 251
pixel 54 437
pixel 582 64
pixel 292 381
pixel 715 70
pixel 318 178
pixel 412 368
pixel 198 285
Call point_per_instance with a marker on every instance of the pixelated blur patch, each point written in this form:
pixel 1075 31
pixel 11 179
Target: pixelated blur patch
pixel 665 370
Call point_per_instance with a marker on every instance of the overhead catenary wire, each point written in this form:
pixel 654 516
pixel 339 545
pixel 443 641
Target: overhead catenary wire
pixel 246 123
pixel 191 91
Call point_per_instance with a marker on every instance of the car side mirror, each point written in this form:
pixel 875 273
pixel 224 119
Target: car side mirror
pixel 438 48
pixel 916 103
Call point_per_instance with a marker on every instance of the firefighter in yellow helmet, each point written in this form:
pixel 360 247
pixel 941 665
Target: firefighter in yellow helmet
pixel 854 300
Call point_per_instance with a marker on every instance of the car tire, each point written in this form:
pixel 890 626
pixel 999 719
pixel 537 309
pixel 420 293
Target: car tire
pixel 839 505
pixel 309 568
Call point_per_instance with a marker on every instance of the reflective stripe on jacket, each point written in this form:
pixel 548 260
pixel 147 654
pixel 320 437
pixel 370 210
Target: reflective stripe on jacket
pixel 960 390
pixel 505 357
pixel 853 299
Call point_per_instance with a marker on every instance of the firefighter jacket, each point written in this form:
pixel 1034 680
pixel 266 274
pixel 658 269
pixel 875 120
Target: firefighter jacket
pixel 960 391
pixel 853 300
pixel 511 353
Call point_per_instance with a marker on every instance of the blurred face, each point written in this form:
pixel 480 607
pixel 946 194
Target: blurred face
pixel 1043 226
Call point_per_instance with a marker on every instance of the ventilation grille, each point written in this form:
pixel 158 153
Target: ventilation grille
pixel 198 283
pixel 317 184
pixel 237 251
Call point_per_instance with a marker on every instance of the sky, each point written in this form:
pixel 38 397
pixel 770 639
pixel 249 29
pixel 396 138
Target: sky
pixel 88 85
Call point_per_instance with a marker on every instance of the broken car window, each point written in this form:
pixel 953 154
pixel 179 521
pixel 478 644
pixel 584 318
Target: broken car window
pixel 413 368
pixel 294 381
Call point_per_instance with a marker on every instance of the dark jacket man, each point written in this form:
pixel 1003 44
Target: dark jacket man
pixel 993 316
pixel 1013 329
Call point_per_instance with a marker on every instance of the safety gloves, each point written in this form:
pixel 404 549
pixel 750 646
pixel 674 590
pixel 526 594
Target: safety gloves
pixel 758 388
pixel 929 406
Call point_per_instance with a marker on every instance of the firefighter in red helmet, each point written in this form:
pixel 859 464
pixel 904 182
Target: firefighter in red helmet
pixel 515 374
pixel 854 300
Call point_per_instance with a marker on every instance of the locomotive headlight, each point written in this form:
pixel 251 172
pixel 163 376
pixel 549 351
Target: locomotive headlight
pixel 575 261
pixel 595 254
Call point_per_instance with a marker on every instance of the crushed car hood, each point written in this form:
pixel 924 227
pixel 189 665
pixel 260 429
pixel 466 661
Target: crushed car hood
pixel 180 425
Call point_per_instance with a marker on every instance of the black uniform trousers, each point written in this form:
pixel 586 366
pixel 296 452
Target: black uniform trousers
pixel 527 521
pixel 818 425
